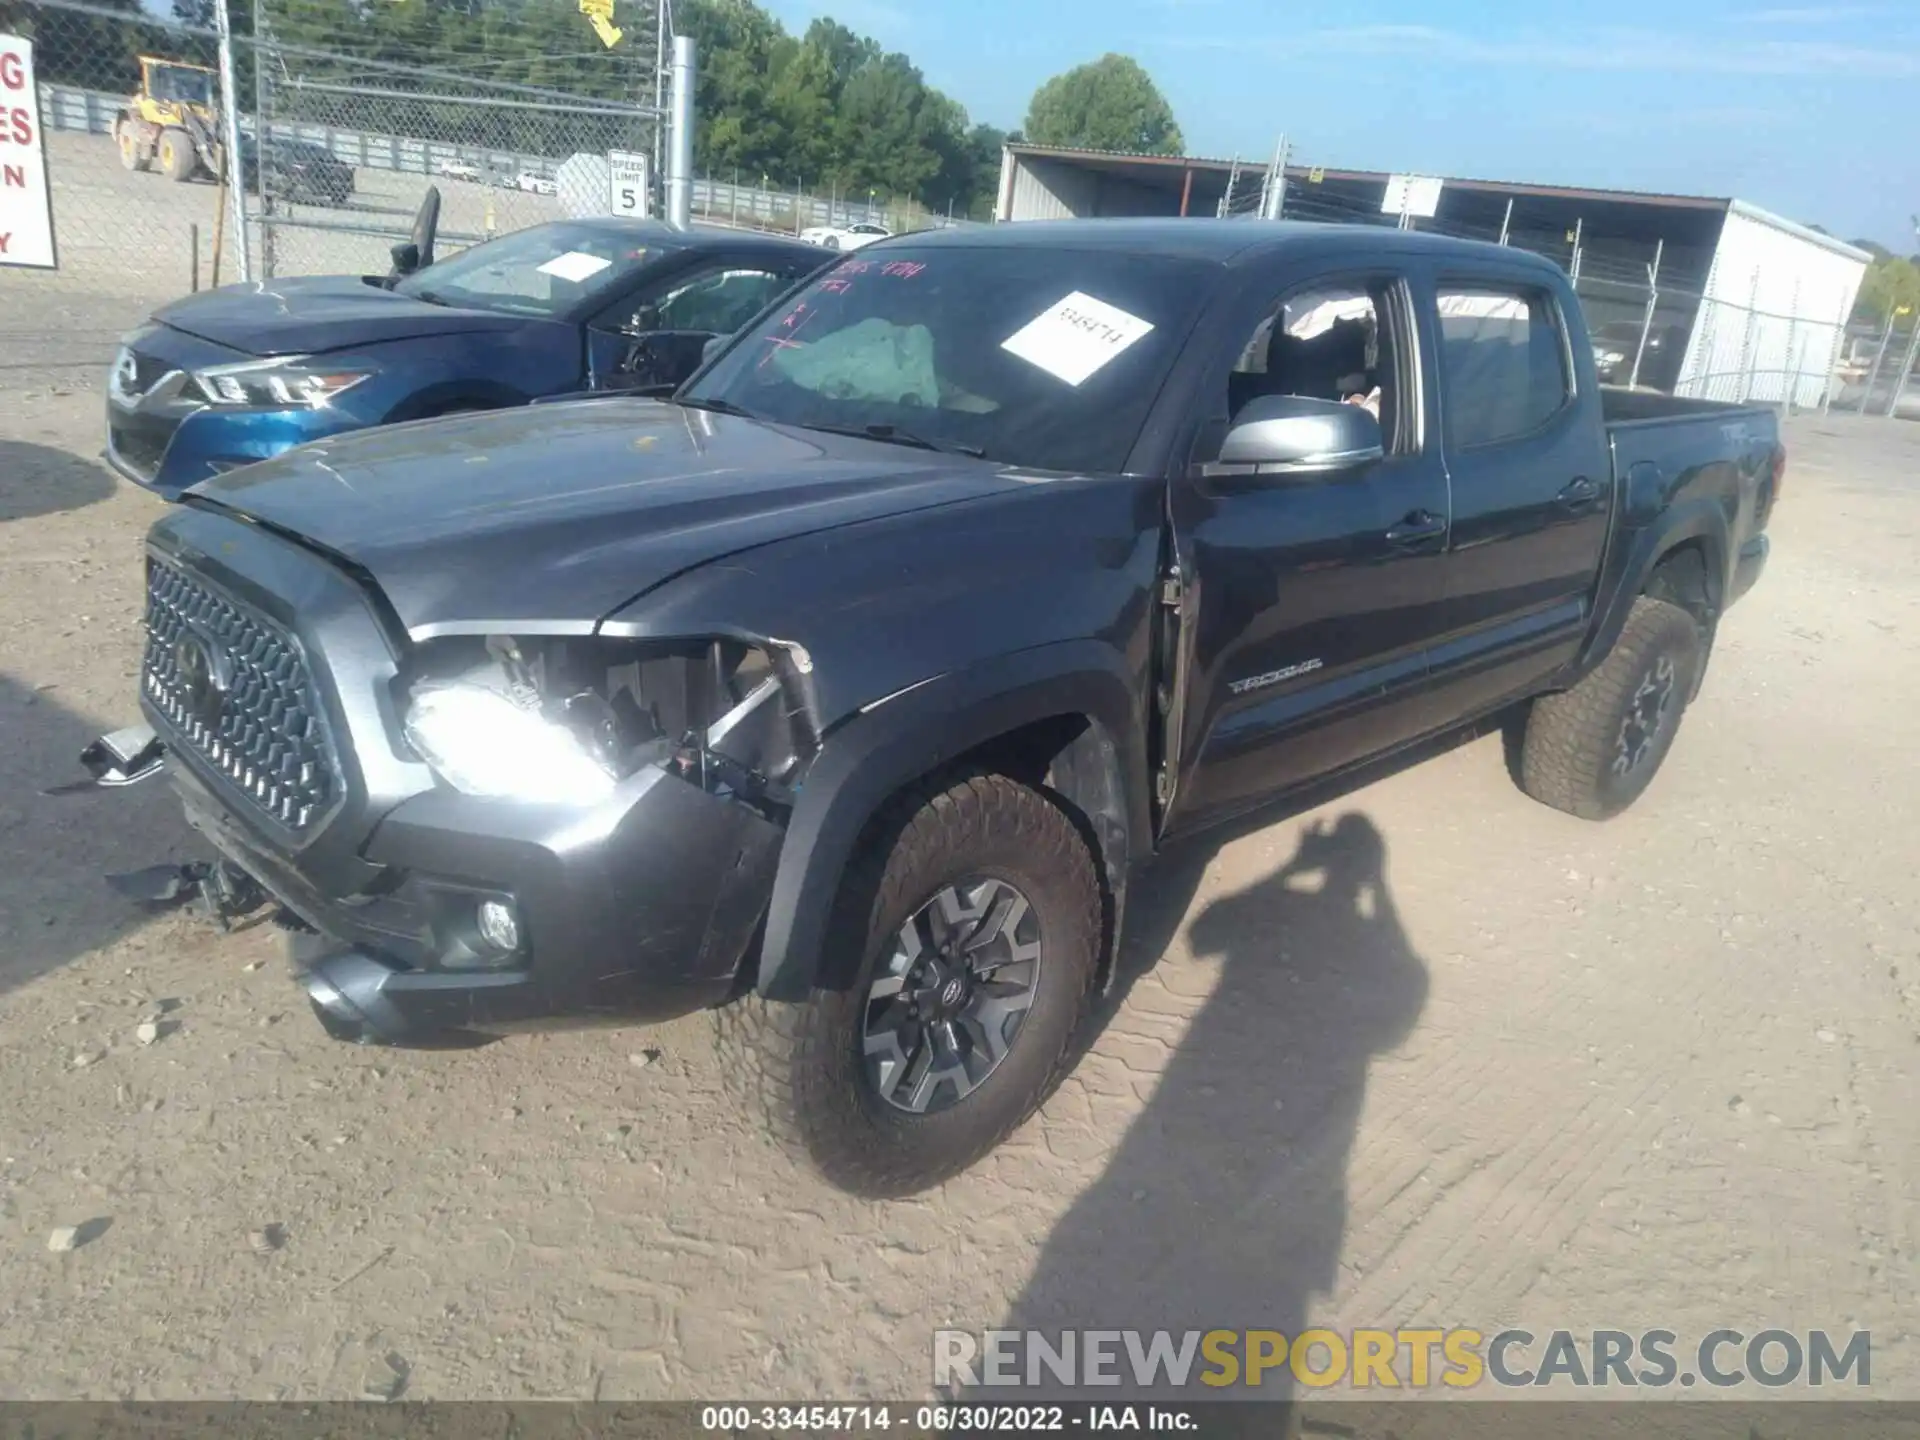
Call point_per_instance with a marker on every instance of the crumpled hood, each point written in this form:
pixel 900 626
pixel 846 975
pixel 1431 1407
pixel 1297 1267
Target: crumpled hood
pixel 550 517
pixel 312 315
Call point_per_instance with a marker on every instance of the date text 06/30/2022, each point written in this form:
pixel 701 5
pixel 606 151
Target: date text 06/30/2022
pixel 967 1419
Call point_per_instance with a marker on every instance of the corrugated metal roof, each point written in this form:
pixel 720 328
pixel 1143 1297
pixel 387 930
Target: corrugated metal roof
pixel 1127 158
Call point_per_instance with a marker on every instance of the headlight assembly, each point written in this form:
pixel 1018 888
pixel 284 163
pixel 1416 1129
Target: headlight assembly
pixel 567 720
pixel 287 383
pixel 485 743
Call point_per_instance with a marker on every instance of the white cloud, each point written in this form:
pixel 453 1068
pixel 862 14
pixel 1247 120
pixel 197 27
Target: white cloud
pixel 1598 49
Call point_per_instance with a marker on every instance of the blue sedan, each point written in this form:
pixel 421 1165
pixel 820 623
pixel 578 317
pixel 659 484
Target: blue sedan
pixel 235 375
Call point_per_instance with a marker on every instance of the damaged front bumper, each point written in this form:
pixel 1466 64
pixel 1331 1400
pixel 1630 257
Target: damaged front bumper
pixel 638 909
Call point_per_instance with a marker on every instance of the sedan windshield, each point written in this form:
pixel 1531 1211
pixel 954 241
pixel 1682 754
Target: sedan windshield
pixel 1035 357
pixel 546 270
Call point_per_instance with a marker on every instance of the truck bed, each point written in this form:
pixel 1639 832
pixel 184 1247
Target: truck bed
pixel 1620 406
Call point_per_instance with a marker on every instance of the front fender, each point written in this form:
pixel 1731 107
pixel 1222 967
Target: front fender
pixel 887 746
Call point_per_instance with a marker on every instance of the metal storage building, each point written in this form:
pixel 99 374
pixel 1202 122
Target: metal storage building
pixel 1696 295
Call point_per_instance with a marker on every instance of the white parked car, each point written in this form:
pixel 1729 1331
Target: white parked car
pixel 845 237
pixel 537 183
pixel 458 170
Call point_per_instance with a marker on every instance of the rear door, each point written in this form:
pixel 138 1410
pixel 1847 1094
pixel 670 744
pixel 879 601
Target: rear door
pixel 1309 602
pixel 1530 475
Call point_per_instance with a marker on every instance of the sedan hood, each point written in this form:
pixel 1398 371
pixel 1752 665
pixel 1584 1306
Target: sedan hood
pixel 551 517
pixel 313 315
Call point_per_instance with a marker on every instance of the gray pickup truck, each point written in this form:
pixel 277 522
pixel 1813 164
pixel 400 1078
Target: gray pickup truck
pixel 848 691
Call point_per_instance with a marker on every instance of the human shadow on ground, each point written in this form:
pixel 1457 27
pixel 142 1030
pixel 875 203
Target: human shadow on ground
pixel 38 480
pixel 1225 1205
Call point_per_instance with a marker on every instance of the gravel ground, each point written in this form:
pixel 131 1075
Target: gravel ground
pixel 1453 1060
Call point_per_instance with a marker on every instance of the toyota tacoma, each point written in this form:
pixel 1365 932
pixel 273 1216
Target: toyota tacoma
pixel 846 691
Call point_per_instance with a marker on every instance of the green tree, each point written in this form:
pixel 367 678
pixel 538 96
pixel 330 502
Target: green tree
pixel 1890 282
pixel 1109 104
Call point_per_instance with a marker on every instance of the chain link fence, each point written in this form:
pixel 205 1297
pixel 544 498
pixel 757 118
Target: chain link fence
pixel 736 200
pixel 511 112
pixel 346 113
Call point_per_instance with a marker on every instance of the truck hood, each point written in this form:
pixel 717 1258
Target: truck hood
pixel 548 518
pixel 312 315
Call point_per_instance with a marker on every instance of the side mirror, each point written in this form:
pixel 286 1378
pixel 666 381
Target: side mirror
pixel 406 257
pixel 1292 435
pixel 711 348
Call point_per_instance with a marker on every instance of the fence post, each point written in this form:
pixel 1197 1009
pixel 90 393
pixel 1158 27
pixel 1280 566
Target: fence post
pixel 1653 299
pixel 1746 339
pixel 1873 375
pixel 1833 364
pixel 680 141
pixel 1906 368
pixel 1274 203
pixel 735 196
pixel 230 137
pixel 1579 229
pixel 260 133
pixel 1506 221
pixel 1790 383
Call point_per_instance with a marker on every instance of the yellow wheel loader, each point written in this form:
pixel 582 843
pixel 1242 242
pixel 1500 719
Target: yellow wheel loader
pixel 171 122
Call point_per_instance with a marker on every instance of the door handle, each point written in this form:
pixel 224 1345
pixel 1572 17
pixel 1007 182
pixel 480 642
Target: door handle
pixel 1420 525
pixel 1578 493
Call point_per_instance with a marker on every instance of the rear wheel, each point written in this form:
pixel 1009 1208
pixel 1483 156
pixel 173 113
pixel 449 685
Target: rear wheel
pixel 133 155
pixel 1592 750
pixel 177 159
pixel 976 920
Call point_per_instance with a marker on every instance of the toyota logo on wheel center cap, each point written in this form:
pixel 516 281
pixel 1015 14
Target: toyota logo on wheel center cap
pixel 951 992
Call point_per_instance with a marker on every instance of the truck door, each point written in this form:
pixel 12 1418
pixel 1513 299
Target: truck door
pixel 1307 602
pixel 1527 458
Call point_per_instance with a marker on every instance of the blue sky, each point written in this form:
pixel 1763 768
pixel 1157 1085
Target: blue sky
pixel 1807 109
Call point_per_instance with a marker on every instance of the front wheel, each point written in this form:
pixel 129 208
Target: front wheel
pixel 1592 750
pixel 976 926
pixel 177 158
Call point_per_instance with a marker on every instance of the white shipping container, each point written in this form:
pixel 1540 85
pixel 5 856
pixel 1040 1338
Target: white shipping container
pixel 1775 309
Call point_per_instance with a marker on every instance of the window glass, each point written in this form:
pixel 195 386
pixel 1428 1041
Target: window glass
pixel 1503 368
pixel 1032 355
pixel 543 270
pixel 1328 343
pixel 718 302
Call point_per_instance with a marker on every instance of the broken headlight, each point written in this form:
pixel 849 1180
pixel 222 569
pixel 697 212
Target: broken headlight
pixel 484 742
pixel 567 720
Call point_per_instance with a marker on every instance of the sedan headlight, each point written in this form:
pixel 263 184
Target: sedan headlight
pixel 485 743
pixel 281 384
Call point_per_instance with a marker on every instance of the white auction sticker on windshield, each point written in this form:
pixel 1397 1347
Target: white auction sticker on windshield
pixel 1073 339
pixel 575 265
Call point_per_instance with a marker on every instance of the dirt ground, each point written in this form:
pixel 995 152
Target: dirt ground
pixel 1458 1061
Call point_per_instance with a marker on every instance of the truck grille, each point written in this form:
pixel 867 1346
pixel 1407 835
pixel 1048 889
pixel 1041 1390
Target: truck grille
pixel 235 689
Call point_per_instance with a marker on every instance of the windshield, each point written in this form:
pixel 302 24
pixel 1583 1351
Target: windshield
pixel 190 87
pixel 546 270
pixel 1041 358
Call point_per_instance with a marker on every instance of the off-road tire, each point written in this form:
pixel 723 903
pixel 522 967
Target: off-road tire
pixel 802 1063
pixel 132 157
pixel 1572 739
pixel 175 152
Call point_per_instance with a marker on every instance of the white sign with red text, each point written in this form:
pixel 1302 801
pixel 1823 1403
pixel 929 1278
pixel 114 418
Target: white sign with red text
pixel 26 212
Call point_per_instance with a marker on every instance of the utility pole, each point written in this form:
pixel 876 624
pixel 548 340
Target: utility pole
pixel 680 139
pixel 230 137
